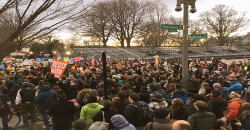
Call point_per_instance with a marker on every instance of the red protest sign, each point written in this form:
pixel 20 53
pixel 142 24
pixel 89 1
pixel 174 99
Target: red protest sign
pixel 58 68
pixel 77 58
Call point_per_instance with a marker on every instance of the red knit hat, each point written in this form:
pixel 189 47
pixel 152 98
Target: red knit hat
pixel 216 85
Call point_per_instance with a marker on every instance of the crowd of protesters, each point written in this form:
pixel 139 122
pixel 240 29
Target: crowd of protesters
pixel 217 92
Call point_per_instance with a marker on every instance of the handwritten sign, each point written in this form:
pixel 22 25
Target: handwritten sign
pixel 58 68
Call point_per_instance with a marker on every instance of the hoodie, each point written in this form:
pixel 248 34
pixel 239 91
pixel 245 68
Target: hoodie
pixel 45 99
pixel 120 123
pixel 89 111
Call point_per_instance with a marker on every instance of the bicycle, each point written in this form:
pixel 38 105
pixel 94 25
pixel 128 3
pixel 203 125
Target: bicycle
pixel 15 114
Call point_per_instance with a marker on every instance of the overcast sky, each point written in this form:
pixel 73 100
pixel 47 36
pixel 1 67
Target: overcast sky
pixel 204 5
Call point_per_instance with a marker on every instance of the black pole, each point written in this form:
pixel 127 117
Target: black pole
pixel 104 63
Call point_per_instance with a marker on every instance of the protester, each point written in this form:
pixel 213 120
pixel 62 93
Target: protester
pixel 202 120
pixel 62 113
pixel 245 117
pixel 178 111
pixel 157 102
pixel 45 100
pixel 120 123
pixel 4 108
pixel 181 125
pixel 90 109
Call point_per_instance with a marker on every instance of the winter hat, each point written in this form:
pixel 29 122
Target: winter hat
pixel 161 113
pixel 79 80
pixel 221 78
pixel 157 97
pixel 232 79
pixel 217 72
pixel 94 93
pixel 236 93
pixel 216 85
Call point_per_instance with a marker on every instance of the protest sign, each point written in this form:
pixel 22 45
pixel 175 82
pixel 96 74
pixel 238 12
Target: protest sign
pixel 66 59
pixel 39 59
pixel 93 61
pixel 7 60
pixel 58 68
pixel 27 62
pixel 71 61
pixel 77 58
pixel 156 60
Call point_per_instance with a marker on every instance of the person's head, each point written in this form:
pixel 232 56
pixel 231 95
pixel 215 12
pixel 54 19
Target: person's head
pixel 61 97
pixel 235 94
pixel 221 78
pixel 177 103
pixel 133 97
pixel 107 104
pixel 216 86
pixel 91 99
pixel 200 105
pixel 94 93
pixel 181 125
pixel 63 77
pixel 178 86
pixel 215 93
pixel 246 109
pixel 161 113
pixel 205 85
pixel 122 95
pixel 86 85
pixel 79 124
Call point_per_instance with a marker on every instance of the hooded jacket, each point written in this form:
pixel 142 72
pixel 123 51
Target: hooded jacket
pixel 120 123
pixel 234 109
pixel 45 99
pixel 89 111
pixel 234 87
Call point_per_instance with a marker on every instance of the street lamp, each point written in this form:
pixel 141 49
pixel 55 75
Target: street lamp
pixel 186 4
pixel 68 53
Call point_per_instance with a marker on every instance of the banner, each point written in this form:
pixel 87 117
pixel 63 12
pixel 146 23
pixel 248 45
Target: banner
pixel 77 58
pixel 66 59
pixel 156 60
pixel 39 59
pixel 27 62
pixel 58 68
pixel 7 60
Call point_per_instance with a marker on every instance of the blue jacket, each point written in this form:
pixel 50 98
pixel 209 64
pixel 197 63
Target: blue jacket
pixel 45 99
pixel 120 123
pixel 237 86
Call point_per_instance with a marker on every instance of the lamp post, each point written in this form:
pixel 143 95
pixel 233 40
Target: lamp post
pixel 186 4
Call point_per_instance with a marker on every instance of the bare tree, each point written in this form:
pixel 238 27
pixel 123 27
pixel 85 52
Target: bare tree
pixel 150 30
pixel 222 21
pixel 126 15
pixel 96 22
pixel 35 19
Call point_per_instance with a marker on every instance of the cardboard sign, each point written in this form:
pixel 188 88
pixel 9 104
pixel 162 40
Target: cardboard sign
pixel 77 58
pixel 8 60
pixel 71 61
pixel 58 58
pixel 66 59
pixel 156 60
pixel 39 59
pixel 58 68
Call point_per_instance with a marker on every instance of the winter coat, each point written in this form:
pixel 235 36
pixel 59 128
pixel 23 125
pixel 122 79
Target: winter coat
pixel 89 111
pixel 234 87
pixel 6 109
pixel 234 109
pixel 62 112
pixel 120 123
pixel 27 95
pixel 180 93
pixel 180 114
pixel 72 94
pixel 218 107
pixel 107 115
pixel 202 120
pixel 45 99
pixel 120 105
pixel 159 124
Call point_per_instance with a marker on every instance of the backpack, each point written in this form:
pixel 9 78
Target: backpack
pixel 145 115
pixel 100 125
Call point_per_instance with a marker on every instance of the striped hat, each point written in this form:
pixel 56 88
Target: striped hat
pixel 216 85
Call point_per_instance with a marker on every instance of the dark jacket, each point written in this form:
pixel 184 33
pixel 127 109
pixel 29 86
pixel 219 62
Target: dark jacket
pixel 62 112
pixel 159 124
pixel 202 120
pixel 180 114
pixel 107 115
pixel 120 105
pixel 218 107
pixel 45 99
pixel 72 92
pixel 27 95
pixel 131 114
pixel 6 109
pixel 244 120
